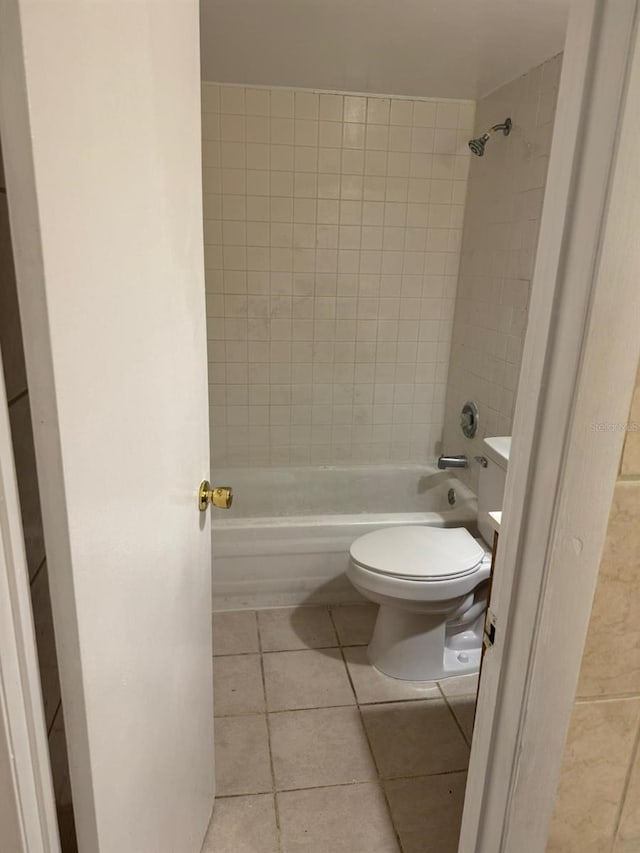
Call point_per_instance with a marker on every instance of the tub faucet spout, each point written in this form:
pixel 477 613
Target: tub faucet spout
pixel 453 461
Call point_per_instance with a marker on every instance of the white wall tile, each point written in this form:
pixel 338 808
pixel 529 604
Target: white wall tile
pixel 332 234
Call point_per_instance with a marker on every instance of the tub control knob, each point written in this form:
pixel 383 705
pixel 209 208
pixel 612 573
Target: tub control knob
pixel 218 496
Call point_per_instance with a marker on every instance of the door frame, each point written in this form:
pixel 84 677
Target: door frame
pixel 26 788
pixel 577 375
pixel 527 692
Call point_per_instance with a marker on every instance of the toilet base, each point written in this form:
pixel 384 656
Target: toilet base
pixel 413 647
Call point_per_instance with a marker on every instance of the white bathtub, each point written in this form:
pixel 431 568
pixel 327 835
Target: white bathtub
pixel 286 539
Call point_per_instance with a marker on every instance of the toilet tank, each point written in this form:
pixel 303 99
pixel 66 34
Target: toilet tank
pixel 491 482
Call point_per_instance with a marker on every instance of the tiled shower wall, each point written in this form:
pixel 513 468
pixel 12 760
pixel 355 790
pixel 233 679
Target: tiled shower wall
pixel 332 228
pixel 502 219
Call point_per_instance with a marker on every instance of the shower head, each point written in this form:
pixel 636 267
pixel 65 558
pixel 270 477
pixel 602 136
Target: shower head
pixel 477 145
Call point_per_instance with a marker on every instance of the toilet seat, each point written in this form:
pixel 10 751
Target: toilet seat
pixel 419 553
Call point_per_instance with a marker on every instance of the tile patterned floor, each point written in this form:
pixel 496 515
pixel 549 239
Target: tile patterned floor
pixel 316 751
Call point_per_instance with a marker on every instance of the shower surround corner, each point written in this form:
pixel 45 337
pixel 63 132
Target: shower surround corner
pixel 500 238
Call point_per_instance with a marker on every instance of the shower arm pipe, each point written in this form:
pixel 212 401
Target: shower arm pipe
pixel 504 126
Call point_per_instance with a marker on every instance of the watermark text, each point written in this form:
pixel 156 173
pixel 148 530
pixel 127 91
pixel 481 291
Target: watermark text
pixel 612 426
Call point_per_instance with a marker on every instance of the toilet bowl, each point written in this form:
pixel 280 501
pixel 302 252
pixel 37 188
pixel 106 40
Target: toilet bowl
pixel 432 585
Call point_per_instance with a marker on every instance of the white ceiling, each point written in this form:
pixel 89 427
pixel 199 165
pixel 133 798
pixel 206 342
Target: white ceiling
pixel 430 48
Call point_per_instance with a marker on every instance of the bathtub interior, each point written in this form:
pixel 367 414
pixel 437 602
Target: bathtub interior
pixel 349 490
pixel 285 542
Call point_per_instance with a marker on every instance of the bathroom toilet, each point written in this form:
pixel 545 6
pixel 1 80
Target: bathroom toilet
pixel 431 584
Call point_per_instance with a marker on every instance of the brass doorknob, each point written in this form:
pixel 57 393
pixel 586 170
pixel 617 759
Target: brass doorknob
pixel 219 496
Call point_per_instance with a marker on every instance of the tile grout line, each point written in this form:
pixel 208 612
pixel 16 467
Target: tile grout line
pixel 602 699
pixel 288 651
pixel 366 734
pixel 266 714
pixel 37 571
pixel 17 397
pixel 55 717
pixel 453 714
pixel 635 751
pixel 328 707
pixel 282 607
pixel 344 784
pixel 335 629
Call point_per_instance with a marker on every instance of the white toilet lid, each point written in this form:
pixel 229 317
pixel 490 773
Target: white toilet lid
pixel 433 553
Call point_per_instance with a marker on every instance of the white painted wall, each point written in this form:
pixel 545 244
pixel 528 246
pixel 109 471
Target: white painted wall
pixel 424 48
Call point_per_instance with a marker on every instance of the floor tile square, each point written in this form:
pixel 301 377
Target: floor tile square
pixel 242 755
pixel 371 685
pixel 344 819
pixel 354 623
pixel 320 747
pixel 306 679
pixel 289 628
pixel 237 685
pixel 235 633
pixel 464 708
pixel 415 738
pixel 462 685
pixel 243 825
pixel 313 736
pixel 427 812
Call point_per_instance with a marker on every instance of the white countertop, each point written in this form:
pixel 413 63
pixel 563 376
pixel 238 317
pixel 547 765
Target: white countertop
pixel 495 520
